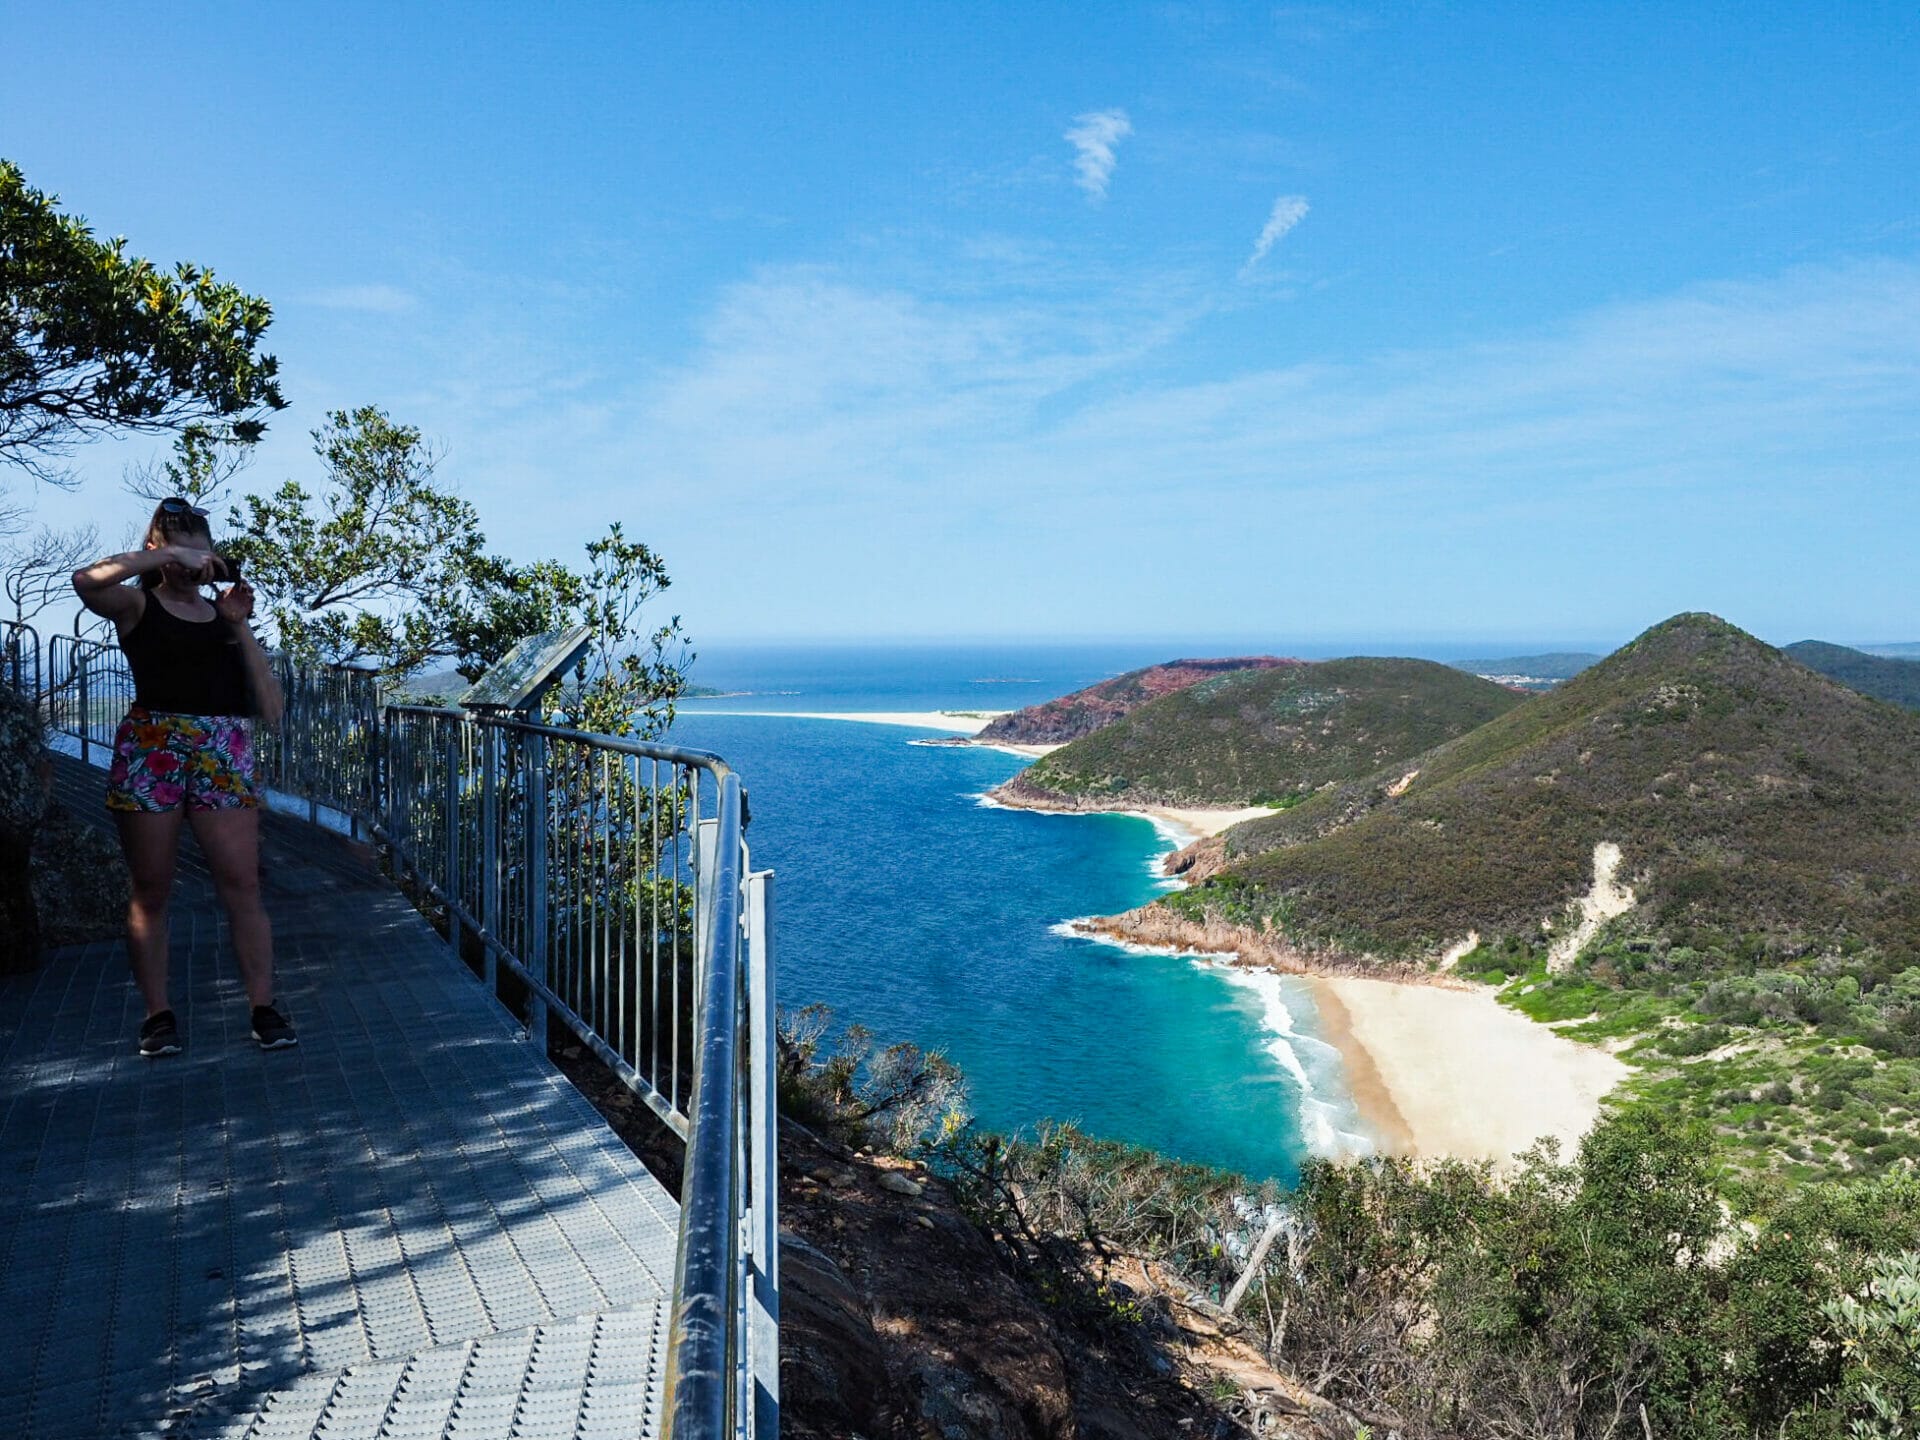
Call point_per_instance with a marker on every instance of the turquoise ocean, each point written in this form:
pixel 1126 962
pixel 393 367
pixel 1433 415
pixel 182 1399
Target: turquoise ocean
pixel 913 908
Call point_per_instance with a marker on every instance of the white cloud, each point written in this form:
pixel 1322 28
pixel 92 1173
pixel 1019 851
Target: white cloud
pixel 370 299
pixel 1288 211
pixel 1685 440
pixel 957 448
pixel 1094 136
pixel 809 384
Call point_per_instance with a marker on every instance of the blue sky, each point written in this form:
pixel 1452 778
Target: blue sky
pixel 957 321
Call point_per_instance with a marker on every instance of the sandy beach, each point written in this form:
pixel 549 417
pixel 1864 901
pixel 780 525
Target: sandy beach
pixel 1199 822
pixel 1031 752
pixel 1185 825
pixel 1435 1068
pixel 1188 823
pixel 1441 1071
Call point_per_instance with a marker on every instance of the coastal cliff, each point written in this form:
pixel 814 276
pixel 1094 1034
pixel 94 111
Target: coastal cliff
pixel 1258 946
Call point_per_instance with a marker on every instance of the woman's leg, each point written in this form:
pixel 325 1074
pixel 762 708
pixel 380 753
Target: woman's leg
pixel 230 839
pixel 151 843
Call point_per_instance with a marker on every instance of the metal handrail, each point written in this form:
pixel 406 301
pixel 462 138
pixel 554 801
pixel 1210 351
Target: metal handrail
pixel 701 1398
pixel 87 694
pixel 621 744
pixel 722 1375
pixel 20 642
pixel 451 794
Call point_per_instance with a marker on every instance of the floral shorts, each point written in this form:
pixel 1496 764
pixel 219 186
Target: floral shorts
pixel 162 760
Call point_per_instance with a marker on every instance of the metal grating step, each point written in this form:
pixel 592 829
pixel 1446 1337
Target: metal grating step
pixel 580 1379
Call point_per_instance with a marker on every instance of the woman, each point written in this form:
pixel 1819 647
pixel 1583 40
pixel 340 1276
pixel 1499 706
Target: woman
pixel 186 749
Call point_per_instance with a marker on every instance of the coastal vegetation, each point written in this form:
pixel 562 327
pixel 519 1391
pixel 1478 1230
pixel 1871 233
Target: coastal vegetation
pixel 1266 737
pixel 1610 1292
pixel 1055 722
pixel 384 563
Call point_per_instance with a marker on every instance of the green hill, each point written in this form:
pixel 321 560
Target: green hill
pixel 1271 736
pixel 1895 681
pixel 1750 797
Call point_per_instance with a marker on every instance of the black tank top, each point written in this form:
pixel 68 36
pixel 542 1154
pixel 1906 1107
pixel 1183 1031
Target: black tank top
pixel 191 667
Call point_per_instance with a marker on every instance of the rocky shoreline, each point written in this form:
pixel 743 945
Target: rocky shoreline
pixel 1200 824
pixel 1022 794
pixel 1255 949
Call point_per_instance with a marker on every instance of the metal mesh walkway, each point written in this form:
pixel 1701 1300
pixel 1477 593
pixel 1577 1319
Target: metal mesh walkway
pixel 409 1225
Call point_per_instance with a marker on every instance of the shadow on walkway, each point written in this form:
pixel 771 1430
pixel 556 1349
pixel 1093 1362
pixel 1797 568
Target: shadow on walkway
pixel 408 1224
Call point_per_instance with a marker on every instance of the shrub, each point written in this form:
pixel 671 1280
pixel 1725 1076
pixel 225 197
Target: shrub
pixel 1879 1328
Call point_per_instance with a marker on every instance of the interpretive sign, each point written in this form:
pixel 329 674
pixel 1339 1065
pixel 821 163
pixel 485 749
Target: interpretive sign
pixel 527 671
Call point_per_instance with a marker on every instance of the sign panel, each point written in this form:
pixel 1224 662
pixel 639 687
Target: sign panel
pixel 527 671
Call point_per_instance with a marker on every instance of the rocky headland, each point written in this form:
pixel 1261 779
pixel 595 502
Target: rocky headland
pixel 1057 722
pixel 1262 738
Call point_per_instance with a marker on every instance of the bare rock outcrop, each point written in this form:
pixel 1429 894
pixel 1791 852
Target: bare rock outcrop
pixel 80 881
pixel 1255 947
pixel 1198 862
pixel 25 779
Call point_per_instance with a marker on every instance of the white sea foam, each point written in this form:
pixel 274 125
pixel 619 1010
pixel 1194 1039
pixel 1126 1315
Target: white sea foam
pixel 1174 833
pixel 1076 929
pixel 1329 1128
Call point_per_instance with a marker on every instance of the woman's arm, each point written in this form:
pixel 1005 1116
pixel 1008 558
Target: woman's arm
pixel 100 586
pixel 235 607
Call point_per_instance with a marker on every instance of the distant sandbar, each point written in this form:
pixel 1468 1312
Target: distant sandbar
pixel 959 722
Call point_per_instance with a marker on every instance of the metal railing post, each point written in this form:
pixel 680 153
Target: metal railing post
pixel 763 1224
pixel 283 741
pixel 306 688
pixel 86 715
pixel 705 840
pixel 453 840
pixel 373 785
pixel 489 847
pixel 389 803
pixel 537 929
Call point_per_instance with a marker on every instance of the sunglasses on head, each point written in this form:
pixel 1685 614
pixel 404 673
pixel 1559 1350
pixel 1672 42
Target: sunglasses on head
pixel 174 505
